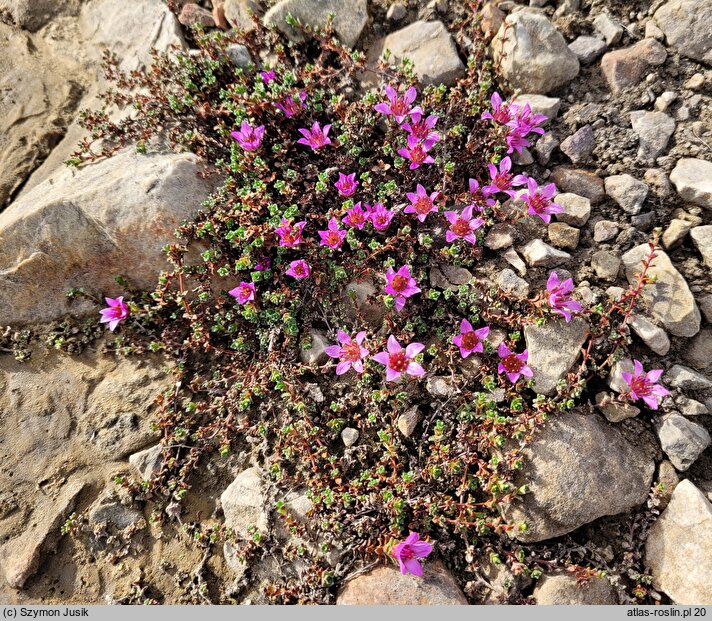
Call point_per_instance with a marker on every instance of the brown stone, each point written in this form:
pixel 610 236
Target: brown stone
pixel 193 15
pixel 626 67
pixel 581 182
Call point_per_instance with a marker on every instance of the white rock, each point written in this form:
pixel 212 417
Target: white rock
pixel 627 191
pixel 653 336
pixel 693 181
pixel 702 236
pixel 243 504
pixel 538 253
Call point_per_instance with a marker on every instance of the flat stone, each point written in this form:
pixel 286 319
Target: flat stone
pixel 626 67
pixel 605 230
pixel 690 407
pixel 606 264
pixel 349 18
pixel 545 147
pixel 572 481
pixel 615 411
pixel 675 233
pixel 692 179
pixel 243 504
pixel 450 277
pixel 686 27
pixel 563 236
pixel 540 104
pixel 538 253
pixel 653 336
pixel 627 191
pixel 699 351
pixel 685 378
pixel 669 297
pixel 682 440
pixel 500 236
pixel 386 586
pixel 408 421
pixel 193 15
pixel 588 49
pixel 532 53
pixel 678 550
pixel 611 30
pixel 147 462
pixel 553 349
pixel 508 281
pixel 654 130
pixel 579 145
pixel 577 209
pixel 431 48
pixel 564 590
pixel 580 182
pixel 108 509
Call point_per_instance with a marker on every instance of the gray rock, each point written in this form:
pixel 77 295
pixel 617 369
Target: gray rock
pixel 579 145
pixel 525 158
pixel 669 297
pixel 349 18
pixel 361 300
pixel 667 481
pixel 147 462
pixel 615 411
pixel 440 386
pixel 431 48
pixel 605 230
pixel 705 304
pixel 349 436
pixel 239 55
pixel 193 15
pixel 109 509
pixel 577 209
pixel 234 561
pixel 662 103
pixel 500 236
pixel 682 377
pixel 682 440
pixel 690 407
pixel 574 482
pixel 243 504
pixel 606 264
pixel 686 27
pixel 643 221
pixel 239 13
pixel 510 255
pixel 315 354
pixel 540 104
pixel 654 130
pixel 545 147
pixel 653 336
pixel 533 55
pixel 693 181
pixel 538 253
pixel 678 550
pixel 508 281
pixel 450 277
pixel 627 191
pixel 699 351
pixel 563 236
pixel 587 49
pixel 553 349
pixel 675 233
pixel 408 421
pixel 396 12
pixel 609 29
pixel 626 67
pixel 581 182
pixel 564 590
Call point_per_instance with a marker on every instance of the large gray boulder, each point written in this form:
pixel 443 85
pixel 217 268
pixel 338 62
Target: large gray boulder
pixel 686 24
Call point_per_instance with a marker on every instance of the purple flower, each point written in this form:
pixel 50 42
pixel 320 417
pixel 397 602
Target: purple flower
pixel 400 285
pixel 291 106
pixel 349 352
pixel 333 237
pixel 516 141
pixel 470 340
pixel 421 129
pixel 263 264
pixel 290 235
pixel 356 217
pixel 502 180
pixel 398 360
pixel 538 199
pixel 501 112
pixel 299 269
pixel 514 365
pixel 559 296
pixel 408 551
pixel 380 216
pixel 317 137
pixel 643 385
pixel 463 225
pixel 525 122
pixel 480 195
pixel 115 312
pixel 398 106
pixel 244 292
pixel 420 203
pixel 417 153
pixel 267 76
pixel 249 139
pixel 346 185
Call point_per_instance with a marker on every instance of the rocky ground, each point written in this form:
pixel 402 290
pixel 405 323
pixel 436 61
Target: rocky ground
pixel 627 87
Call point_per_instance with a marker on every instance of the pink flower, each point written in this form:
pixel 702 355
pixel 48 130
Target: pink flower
pixel 514 365
pixel 462 226
pixel 356 217
pixel 559 296
pixel 263 264
pixel 470 340
pixel 290 235
pixel 244 292
pixel 421 129
pixel 398 106
pixel 317 137
pixel 501 112
pixel 643 385
pixel 417 153
pixel 525 122
pixel 346 185
pixel 248 138
pixel 408 551
pixel 516 141
pixel 349 352
pixel 299 269
pixel 333 236
pixel 420 203
pixel 480 196
pixel 398 360
pixel 538 199
pixel 291 106
pixel 502 179
pixel 400 285
pixel 267 76
pixel 380 216
pixel 116 311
